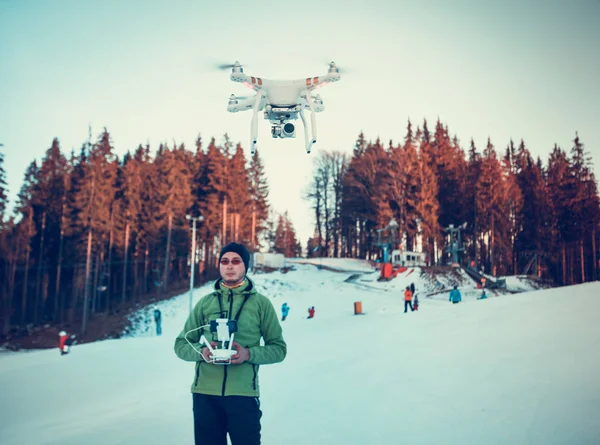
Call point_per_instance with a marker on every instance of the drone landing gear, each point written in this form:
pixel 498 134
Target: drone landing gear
pixel 254 127
pixel 313 123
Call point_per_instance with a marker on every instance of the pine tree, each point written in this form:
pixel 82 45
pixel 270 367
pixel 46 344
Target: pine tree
pixel 473 173
pixel 427 203
pixel 3 192
pixel 285 241
pixel 26 232
pixel 560 194
pixel 490 199
pixel 240 198
pixel 450 163
pixel 510 214
pixel 214 187
pixel 531 223
pixel 584 204
pixel 47 198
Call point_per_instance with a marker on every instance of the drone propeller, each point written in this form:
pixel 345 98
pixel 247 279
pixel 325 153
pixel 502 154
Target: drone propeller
pixel 228 66
pixel 234 97
pixel 336 66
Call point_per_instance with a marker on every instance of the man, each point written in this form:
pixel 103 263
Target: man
pixel 455 296
pixel 158 320
pixel 226 396
pixel 62 342
pixel 285 310
pixel 408 300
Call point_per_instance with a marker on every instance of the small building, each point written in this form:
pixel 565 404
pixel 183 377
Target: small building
pixel 408 259
pixel 267 260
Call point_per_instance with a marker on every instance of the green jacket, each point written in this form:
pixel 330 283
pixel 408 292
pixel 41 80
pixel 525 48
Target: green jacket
pixel 257 319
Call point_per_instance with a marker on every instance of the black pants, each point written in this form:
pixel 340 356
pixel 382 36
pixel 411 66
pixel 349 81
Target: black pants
pixel 408 304
pixel 215 416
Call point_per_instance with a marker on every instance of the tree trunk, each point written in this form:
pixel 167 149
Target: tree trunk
pixel 26 279
pixel 224 235
pixel 581 253
pixel 253 235
pixel 564 263
pixel 107 271
pixel 38 278
pixel 11 287
pixel 9 296
pixel 571 256
pixel 58 300
pixel 86 296
pixel 96 282
pixel 125 250
pixel 594 261
pixel 167 255
pixel 146 270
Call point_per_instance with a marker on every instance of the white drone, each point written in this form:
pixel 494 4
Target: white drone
pixel 282 101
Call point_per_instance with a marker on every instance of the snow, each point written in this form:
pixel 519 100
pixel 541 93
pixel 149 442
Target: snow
pixel 338 264
pixel 512 369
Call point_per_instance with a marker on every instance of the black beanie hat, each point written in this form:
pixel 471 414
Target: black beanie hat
pixel 240 249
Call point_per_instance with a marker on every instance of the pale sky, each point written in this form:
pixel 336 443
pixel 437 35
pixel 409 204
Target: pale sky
pixel 512 69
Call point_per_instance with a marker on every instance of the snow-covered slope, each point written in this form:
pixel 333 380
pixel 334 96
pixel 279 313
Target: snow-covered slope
pixel 515 369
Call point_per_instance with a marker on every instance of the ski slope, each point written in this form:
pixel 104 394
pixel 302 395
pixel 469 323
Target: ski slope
pixel 512 369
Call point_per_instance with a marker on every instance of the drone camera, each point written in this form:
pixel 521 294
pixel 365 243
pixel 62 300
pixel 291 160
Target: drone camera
pixel 289 131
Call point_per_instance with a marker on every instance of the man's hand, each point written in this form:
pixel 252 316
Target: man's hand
pixel 206 352
pixel 242 355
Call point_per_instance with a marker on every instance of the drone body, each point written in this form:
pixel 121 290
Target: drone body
pixel 282 101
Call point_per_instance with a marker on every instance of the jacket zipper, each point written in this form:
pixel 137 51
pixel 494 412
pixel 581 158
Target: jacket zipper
pixel 230 296
pixel 197 373
pixel 224 379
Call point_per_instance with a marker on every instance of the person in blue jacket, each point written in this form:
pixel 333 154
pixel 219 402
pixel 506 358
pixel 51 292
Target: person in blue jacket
pixel 455 296
pixel 285 309
pixel 483 295
pixel 158 320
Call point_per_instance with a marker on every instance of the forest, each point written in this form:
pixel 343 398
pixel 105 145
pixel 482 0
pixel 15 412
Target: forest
pixel 92 233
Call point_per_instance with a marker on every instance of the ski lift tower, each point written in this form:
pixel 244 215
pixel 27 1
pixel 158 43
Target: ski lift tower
pixel 387 238
pixel 454 245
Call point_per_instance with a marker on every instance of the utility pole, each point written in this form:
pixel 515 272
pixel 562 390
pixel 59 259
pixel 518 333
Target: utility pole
pixel 193 254
pixel 454 245
pixel 253 226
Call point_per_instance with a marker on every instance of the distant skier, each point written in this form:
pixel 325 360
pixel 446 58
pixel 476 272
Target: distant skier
pixel 455 296
pixel 70 342
pixel 285 309
pixel 311 312
pixel 408 300
pixel 158 320
pixel 483 296
pixel 415 298
pixel 62 343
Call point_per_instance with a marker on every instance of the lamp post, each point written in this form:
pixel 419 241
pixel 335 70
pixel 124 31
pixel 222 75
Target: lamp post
pixel 193 255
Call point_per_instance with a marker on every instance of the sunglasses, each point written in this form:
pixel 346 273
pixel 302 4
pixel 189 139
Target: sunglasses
pixel 235 261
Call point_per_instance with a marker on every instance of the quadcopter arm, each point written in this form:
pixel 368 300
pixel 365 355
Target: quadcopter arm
pixel 244 104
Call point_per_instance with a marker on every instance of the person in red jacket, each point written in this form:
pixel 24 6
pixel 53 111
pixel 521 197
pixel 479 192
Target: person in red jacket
pixel 408 300
pixel 62 342
pixel 311 312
